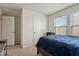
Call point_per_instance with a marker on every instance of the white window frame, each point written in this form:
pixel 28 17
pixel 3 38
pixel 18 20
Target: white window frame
pixel 71 25
pixel 60 26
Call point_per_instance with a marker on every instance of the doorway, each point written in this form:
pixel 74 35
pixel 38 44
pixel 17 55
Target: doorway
pixel 10 20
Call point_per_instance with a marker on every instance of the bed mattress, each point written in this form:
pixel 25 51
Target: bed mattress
pixel 61 45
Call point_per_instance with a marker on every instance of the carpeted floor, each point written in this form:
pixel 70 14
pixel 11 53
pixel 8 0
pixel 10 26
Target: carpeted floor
pixel 17 51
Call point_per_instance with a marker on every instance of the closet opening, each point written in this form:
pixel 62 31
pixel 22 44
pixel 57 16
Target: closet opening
pixel 10 25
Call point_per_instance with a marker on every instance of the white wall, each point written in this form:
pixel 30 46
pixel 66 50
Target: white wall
pixel 27 27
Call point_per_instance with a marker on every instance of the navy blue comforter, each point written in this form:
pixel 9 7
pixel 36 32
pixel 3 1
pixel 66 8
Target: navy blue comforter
pixel 61 45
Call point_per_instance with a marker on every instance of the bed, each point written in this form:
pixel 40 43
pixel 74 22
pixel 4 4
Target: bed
pixel 58 45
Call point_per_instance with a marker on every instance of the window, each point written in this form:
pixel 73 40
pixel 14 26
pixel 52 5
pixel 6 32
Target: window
pixel 74 22
pixel 60 25
pixel 61 21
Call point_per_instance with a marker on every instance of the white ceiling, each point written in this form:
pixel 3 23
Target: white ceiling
pixel 45 8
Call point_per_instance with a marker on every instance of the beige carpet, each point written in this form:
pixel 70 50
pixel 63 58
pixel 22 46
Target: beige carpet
pixel 17 51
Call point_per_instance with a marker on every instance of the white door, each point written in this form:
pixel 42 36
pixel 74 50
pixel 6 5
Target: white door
pixel 39 28
pixel 8 29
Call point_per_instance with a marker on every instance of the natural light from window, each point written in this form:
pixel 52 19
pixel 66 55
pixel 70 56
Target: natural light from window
pixel 61 21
